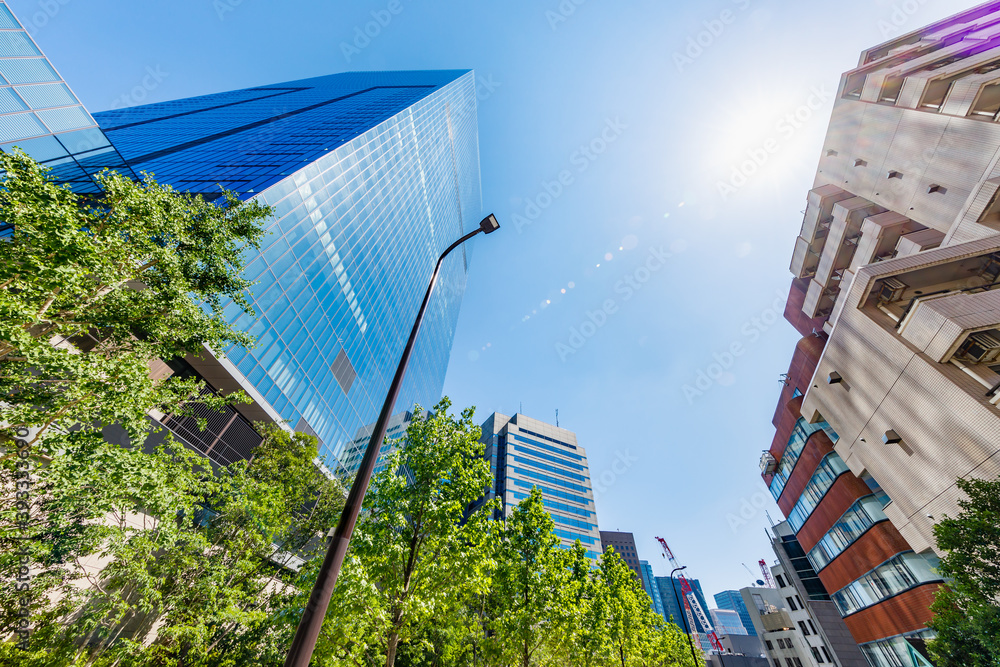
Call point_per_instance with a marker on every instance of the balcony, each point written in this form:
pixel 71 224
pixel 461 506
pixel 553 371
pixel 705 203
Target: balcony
pixel 777 621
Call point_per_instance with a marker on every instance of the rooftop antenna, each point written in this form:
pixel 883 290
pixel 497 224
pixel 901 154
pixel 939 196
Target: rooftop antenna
pixel 520 407
pixel 768 515
pixel 557 417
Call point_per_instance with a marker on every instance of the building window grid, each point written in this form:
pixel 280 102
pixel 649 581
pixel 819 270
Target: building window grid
pixel 801 433
pixel 827 472
pixel 896 575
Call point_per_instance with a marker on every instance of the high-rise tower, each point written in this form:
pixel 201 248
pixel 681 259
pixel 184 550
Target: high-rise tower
pixel 371 174
pixel 526 453
pixel 892 393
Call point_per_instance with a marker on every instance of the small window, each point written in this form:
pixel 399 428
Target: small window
pixel 829 658
pixel 798 663
pixel 770 646
pixel 988 103
pixel 803 628
pixel 789 662
pixel 812 627
pixel 781 582
pixel 791 604
pixel 799 600
pixel 816 656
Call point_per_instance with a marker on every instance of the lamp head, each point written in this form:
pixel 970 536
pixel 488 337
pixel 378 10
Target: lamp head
pixel 489 224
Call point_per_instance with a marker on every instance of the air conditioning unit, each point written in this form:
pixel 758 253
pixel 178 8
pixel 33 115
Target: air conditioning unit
pixel 768 463
pixel 891 290
pixel 980 348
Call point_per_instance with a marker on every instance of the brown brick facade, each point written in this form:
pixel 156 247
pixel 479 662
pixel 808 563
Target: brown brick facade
pixel 906 612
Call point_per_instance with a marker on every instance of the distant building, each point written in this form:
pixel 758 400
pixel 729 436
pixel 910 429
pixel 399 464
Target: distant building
pixel 672 596
pixel 649 583
pixel 350 461
pixel 525 453
pixel 727 622
pixel 624 544
pixel 734 601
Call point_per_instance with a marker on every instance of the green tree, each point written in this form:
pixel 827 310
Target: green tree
pixel 92 290
pixel 967 608
pixel 625 609
pixel 416 554
pixel 187 565
pixel 530 573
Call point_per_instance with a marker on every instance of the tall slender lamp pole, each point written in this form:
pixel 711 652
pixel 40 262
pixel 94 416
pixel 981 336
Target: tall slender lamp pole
pixel 311 622
pixel 680 610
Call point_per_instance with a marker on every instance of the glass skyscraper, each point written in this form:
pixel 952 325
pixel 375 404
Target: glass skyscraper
pixel 526 453
pixel 649 584
pixel 372 175
pixel 734 601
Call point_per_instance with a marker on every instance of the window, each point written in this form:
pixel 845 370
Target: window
pixel 816 656
pixel 812 627
pixel 829 658
pixel 770 646
pixel 798 663
pixel 803 628
pixel 861 516
pixel 896 575
pixel 796 442
pixel 789 662
pixel 791 604
pixel 799 600
pixel 781 582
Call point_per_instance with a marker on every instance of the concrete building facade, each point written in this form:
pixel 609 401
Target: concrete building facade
pixel 892 394
pixel 624 546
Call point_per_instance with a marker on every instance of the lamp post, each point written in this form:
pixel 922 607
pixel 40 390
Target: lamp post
pixel 311 622
pixel 680 610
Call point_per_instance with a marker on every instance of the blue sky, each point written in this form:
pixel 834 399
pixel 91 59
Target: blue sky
pixel 649 158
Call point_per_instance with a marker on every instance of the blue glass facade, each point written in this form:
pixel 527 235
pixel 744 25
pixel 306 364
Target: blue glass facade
pixel 734 601
pixel 372 175
pixel 649 584
pixel 41 115
pixel 669 600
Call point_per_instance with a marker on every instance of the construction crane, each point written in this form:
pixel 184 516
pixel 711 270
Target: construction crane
pixel 766 572
pixel 691 602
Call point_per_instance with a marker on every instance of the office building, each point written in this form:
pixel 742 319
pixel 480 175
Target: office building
pixel 350 460
pixel 672 598
pixel 41 114
pixel 732 600
pixel 891 395
pixel 816 615
pixel 371 174
pixel 649 584
pixel 624 546
pixel 727 622
pixel 526 453
pixel 783 640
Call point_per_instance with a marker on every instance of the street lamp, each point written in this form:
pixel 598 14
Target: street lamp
pixel 680 610
pixel 312 617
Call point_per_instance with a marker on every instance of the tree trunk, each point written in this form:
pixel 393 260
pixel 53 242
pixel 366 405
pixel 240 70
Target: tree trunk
pixel 390 653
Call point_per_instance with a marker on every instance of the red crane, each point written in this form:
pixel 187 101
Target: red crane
pixel 767 573
pixel 691 602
